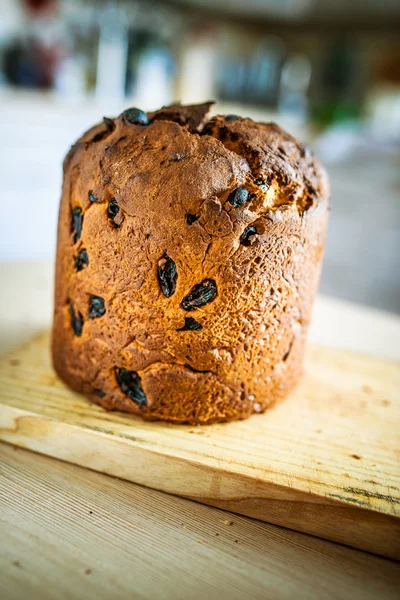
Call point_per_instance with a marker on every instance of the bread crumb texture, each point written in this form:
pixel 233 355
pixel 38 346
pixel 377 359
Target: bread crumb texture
pixel 189 252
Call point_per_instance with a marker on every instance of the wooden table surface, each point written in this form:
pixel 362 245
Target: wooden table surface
pixel 66 532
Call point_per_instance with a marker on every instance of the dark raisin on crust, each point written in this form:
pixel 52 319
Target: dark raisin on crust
pixel 200 294
pixel 113 208
pixel 135 116
pixel 114 214
pixel 76 223
pixel 82 260
pixel 99 393
pixel 263 184
pixel 191 325
pixel 92 197
pixel 130 384
pixel 167 275
pixel 191 218
pixel 231 117
pixel 239 197
pixel 96 307
pixel 76 320
pixel 246 239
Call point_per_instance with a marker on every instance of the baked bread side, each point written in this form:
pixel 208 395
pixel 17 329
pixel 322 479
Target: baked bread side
pixel 189 253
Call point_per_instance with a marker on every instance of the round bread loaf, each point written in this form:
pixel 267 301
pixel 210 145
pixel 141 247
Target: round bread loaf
pixel 189 253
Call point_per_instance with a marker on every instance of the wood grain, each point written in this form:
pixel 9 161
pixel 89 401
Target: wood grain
pixel 66 532
pixel 324 462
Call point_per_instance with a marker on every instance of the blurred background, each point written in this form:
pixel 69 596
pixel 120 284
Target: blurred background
pixel 327 71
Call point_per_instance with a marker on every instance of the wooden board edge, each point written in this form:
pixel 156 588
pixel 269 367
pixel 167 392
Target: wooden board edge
pixel 327 518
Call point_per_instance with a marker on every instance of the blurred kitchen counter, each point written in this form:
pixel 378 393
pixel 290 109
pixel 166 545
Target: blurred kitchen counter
pixel 66 532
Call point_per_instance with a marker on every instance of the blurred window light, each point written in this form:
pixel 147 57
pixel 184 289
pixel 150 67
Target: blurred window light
pixel 294 84
pixel 153 78
pixel 112 53
pixel 251 77
pixel 296 73
pixel 198 67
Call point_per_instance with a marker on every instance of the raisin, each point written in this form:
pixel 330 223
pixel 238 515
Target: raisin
pixel 99 393
pixel 135 116
pixel 167 275
pixel 130 384
pixel 262 184
pixel 76 224
pixel 113 208
pixel 247 235
pixel 82 260
pixel 76 320
pixel 239 197
pixel 231 117
pixel 200 294
pixel 190 218
pixel 92 197
pixel 112 212
pixel 96 307
pixel 191 325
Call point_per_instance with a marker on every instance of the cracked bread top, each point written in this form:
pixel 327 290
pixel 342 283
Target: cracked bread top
pixel 272 159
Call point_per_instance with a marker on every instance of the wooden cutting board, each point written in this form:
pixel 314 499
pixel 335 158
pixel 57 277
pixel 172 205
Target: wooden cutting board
pixel 325 461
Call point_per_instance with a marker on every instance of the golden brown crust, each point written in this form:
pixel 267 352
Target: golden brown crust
pixel 163 196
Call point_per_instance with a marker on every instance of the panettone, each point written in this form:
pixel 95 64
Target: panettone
pixel 189 253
